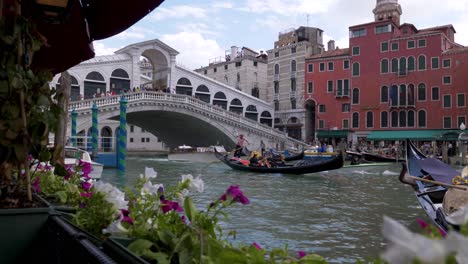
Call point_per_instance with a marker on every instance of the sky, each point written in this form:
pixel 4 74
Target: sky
pixel 201 30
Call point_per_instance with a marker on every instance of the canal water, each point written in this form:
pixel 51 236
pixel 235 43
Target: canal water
pixel 337 214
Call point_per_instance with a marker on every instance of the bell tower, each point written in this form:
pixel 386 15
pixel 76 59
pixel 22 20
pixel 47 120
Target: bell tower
pixel 387 9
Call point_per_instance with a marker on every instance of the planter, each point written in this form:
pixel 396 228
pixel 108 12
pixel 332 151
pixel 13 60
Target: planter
pixel 116 248
pixel 21 232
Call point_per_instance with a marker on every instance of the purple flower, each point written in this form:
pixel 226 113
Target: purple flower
pixel 423 224
pixel 86 185
pixel 36 185
pixel 257 246
pixel 301 254
pixel 167 205
pixel 184 219
pixel 126 216
pixel 86 194
pixel 236 194
pixel 85 168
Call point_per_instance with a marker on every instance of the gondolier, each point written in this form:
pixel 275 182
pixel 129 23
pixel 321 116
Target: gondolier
pixel 241 143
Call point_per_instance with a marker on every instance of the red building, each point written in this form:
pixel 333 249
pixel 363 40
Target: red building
pixel 395 81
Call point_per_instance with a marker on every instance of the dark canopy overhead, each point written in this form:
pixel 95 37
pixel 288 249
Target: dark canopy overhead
pixel 70 43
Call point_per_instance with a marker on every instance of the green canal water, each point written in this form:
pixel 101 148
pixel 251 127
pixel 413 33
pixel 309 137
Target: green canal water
pixel 337 214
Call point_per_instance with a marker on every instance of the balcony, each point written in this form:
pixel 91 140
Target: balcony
pixel 276 78
pixel 276 97
pixel 293 94
pixel 293 75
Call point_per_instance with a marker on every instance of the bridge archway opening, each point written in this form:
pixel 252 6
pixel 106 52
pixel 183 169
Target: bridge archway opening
pixel 266 119
pixel 94 85
pixel 184 86
pixel 106 139
pixel 310 120
pixel 203 93
pixel 251 112
pixel 220 100
pixel 119 81
pixel 154 69
pixel 236 106
pixel 294 128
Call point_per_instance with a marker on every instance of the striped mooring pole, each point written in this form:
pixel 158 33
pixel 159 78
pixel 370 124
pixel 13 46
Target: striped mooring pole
pixel 74 114
pixel 122 144
pixel 94 132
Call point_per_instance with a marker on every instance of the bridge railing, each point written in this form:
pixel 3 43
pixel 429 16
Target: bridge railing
pixel 179 98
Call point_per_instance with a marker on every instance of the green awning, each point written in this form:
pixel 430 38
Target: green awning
pixel 431 134
pixel 332 133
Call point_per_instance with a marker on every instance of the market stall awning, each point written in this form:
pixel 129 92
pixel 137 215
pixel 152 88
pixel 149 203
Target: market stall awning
pixel 332 133
pixel 430 134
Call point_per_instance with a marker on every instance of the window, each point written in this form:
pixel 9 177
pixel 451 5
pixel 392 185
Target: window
pixel 345 108
pixel 238 77
pixel 330 87
pixel 446 63
pixel 345 123
pixel 310 87
pixel 355 96
pixel 435 94
pixel 147 140
pixel 276 69
pixel 276 105
pixel 238 63
pixel 356 51
pixel 276 87
pixel 226 67
pixel 384 66
pixel 255 63
pixel 293 84
pixel 435 63
pixel 447 122
pixel 395 46
pixel 411 94
pixel 411 44
pixel 355 120
pixel 410 118
pixel 293 50
pixel 402 93
pixel 421 43
pixel 293 103
pixel 460 100
pixel 132 128
pixel 339 88
pixel 447 101
pixel 358 33
pixel 394 119
pixel 322 108
pixel 402 120
pixel 460 120
pixel 383 46
pixel 276 54
pixel 310 68
pixel 205 71
pixel 321 124
pixel 330 66
pixel 143 140
pixel 421 92
pixel 384 119
pixel 131 140
pixel 356 70
pixel 346 87
pixel 322 67
pixel 402 66
pixel 369 119
pixel 422 118
pixel 446 80
pixel 215 69
pixel 383 29
pixel 411 64
pixel 394 65
pixel 293 66
pixel 384 94
pixel 393 95
pixel 346 64
pixel 421 62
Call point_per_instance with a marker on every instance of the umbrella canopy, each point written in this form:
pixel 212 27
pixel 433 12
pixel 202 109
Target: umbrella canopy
pixel 70 42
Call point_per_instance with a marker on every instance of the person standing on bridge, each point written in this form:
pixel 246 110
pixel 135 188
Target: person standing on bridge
pixel 241 143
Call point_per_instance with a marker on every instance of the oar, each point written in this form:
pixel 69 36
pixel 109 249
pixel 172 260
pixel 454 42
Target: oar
pixel 437 182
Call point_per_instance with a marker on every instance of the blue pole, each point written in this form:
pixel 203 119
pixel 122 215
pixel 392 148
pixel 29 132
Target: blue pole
pixel 73 128
pixel 95 131
pixel 122 154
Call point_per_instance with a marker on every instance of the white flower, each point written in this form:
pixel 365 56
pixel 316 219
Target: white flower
pixel 112 194
pixel 149 188
pixel 150 225
pixel 149 173
pixel 459 217
pixel 115 229
pixel 180 196
pixel 406 246
pixel 196 184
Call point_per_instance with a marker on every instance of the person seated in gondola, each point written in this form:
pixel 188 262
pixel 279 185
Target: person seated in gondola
pixel 254 159
pixel 264 162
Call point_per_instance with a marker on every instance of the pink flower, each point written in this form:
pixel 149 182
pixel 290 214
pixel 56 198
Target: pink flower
pixel 36 185
pixel 86 186
pixel 423 224
pixel 301 254
pixel 167 205
pixel 126 216
pixel 236 194
pixel 257 246
pixel 86 194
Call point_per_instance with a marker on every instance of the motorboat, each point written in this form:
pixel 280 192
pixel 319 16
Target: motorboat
pixel 72 155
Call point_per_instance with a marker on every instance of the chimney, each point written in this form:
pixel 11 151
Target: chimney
pixel 234 50
pixel 331 45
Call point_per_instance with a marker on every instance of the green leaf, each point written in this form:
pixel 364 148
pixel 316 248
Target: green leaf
pixel 190 209
pixel 142 247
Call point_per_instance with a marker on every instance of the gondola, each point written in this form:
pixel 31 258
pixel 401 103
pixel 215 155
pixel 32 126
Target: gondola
pixel 431 180
pixel 277 155
pixel 379 158
pixel 295 167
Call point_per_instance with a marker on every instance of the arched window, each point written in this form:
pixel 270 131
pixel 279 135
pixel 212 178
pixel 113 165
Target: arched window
pixel 94 85
pixel 184 86
pixel 411 118
pixel 369 119
pixel 355 120
pixel 236 106
pixel 394 95
pixel 384 66
pixel 293 66
pixel 106 139
pixel 421 62
pixel 422 118
pixel 411 94
pixel 421 92
pixel 251 112
pixel 220 100
pixel 402 95
pixel 411 64
pixel 395 65
pixel 394 117
pixel 384 94
pixel 203 93
pixel 276 69
pixel 119 81
pixel 265 118
pixel 356 69
pixel 355 96
pixel 384 119
pixel 402 66
pixel 402 119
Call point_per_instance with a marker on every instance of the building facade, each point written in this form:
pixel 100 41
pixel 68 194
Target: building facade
pixel 286 76
pixel 242 68
pixel 393 78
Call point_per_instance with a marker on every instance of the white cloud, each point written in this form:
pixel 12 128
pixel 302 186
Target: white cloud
pixel 134 33
pixel 195 50
pixel 222 5
pixel 101 49
pixel 200 28
pixel 180 11
pixel 288 7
